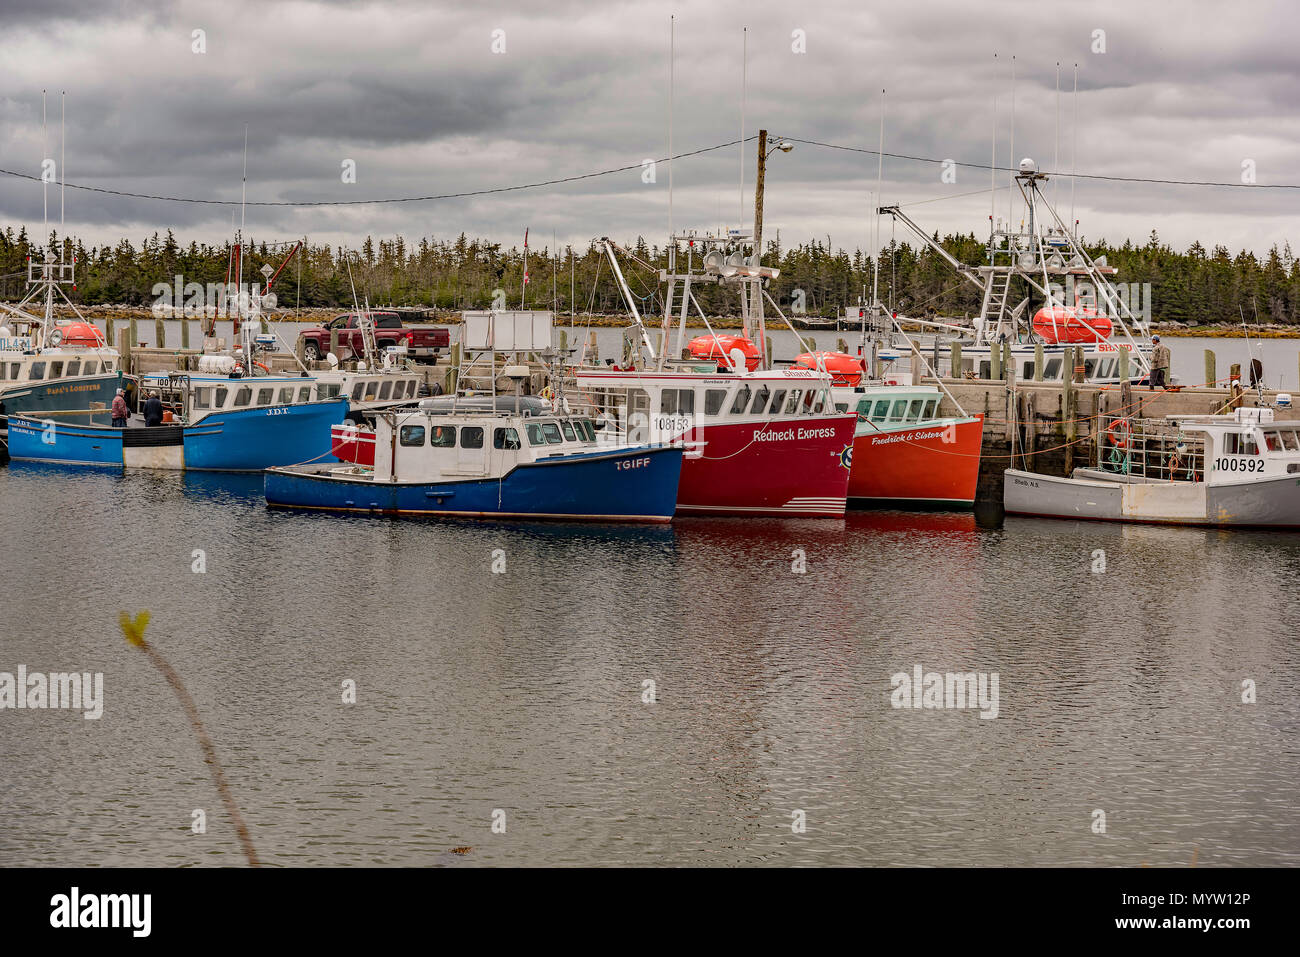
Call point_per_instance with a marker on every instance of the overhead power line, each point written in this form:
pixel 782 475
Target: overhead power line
pixel 637 166
pixel 1009 169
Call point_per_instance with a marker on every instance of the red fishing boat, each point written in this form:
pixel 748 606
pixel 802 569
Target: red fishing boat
pixel 905 454
pixel 768 442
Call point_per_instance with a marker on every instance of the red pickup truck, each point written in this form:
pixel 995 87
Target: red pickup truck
pixel 422 342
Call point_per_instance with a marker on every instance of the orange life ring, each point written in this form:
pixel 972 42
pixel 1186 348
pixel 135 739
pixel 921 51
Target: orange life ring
pixel 1120 433
pixel 264 368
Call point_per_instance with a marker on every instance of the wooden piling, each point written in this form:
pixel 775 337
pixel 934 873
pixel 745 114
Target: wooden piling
pixel 916 365
pixel 1038 362
pixel 955 371
pixel 1211 373
pixel 449 379
pixel 1123 363
pixel 769 352
pixel 108 332
pixel 1069 408
pixel 841 345
pixel 995 362
pixel 160 333
pixel 185 333
pixel 1007 364
pixel 132 331
pixel 1011 407
pixel 334 342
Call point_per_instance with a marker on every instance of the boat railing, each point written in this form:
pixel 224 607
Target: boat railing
pixel 1150 449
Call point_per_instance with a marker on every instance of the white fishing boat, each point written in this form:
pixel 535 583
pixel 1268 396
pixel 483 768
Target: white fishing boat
pixel 1238 469
pixel 1042 260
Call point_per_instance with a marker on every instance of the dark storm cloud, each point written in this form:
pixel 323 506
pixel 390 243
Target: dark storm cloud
pixel 412 93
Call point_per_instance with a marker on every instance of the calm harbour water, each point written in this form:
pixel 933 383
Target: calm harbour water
pixel 522 691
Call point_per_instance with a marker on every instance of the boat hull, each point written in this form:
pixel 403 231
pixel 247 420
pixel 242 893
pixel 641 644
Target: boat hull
pixel 635 485
pixel 1267 503
pixel 244 440
pixel 58 395
pixel 934 466
pixel 793 467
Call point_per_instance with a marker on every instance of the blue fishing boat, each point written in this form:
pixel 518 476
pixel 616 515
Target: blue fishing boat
pixel 494 457
pixel 51 366
pixel 211 422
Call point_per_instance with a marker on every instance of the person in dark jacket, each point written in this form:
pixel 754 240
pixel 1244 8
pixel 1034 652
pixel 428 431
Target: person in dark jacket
pixel 120 411
pixel 153 410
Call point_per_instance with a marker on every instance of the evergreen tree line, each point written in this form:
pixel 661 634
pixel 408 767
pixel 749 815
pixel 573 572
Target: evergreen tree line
pixel 1196 286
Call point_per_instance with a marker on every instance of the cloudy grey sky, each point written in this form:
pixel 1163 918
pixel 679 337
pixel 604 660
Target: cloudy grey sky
pixel 415 95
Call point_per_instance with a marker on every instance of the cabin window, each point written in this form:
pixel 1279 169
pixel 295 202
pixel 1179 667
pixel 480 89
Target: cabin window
pixel 1089 368
pixel 778 400
pixel 1240 443
pixel 220 402
pixel 202 397
pixel 535 436
pixel 264 396
pixel 56 369
pixel 1052 370
pixel 3 367
pixel 13 369
pixel 471 437
pixel 900 410
pixel 304 394
pixel 586 426
pixel 1290 440
pixel 760 400
pixel 569 434
pixel 677 401
pixel 844 407
pixel 1272 442
pixel 505 439
pixel 713 400
pixel 74 367
pixel 882 410
pixel 358 390
pixel 1029 370
pixel 914 410
pixel 243 397
pixel 38 371
pixel 443 436
pixel 986 369
pixel 741 402
pixel 385 391
pixel 399 389
pixel 552 433
pixel 286 395
pixel 411 435
pixel 372 389
pixel 931 407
